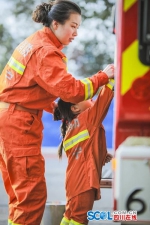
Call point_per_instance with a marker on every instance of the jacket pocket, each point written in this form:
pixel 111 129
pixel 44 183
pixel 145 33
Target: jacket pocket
pixel 25 131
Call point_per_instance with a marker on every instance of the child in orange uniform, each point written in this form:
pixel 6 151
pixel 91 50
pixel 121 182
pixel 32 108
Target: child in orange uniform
pixel 85 145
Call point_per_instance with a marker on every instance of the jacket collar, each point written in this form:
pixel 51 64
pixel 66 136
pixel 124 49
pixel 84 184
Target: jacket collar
pixel 52 37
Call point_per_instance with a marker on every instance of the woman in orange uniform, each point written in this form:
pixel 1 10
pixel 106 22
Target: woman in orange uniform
pixel 85 145
pixel 32 79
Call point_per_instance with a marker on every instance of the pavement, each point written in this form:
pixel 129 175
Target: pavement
pixel 55 178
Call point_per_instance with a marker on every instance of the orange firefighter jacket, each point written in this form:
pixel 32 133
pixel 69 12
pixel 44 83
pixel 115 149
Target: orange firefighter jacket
pixel 85 147
pixel 36 75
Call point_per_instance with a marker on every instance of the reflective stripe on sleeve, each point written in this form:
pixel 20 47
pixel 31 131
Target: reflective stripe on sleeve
pixel 111 83
pixel 81 136
pixel 88 88
pixel 17 66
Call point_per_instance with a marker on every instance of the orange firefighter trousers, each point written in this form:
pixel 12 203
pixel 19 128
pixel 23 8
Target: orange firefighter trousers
pixel 78 206
pixel 22 165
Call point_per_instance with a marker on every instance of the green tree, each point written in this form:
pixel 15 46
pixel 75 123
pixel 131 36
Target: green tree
pixel 14 27
pixel 96 47
pixel 6 45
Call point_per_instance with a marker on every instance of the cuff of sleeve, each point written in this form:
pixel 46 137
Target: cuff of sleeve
pixel 104 78
pixel 51 108
pixel 111 84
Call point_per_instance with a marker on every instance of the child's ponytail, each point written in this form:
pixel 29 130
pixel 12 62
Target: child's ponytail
pixel 63 112
pixel 63 129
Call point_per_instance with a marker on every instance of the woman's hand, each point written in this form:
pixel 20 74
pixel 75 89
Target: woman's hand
pixel 109 70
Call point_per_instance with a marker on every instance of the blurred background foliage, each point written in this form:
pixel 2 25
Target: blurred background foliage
pixel 91 51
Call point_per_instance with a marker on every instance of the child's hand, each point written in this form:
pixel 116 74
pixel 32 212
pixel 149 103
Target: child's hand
pixel 109 70
pixel 108 158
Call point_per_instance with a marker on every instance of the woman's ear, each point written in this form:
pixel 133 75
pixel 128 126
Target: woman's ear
pixel 54 24
pixel 75 109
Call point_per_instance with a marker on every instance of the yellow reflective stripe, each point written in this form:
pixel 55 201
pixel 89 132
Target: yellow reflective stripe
pixel 111 83
pixel 127 4
pixel 11 223
pixel 73 222
pixel 81 136
pixel 88 88
pixel 17 66
pixel 65 60
pixel 129 72
pixel 64 221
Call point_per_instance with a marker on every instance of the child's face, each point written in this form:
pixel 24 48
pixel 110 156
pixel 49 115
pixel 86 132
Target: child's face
pixel 68 31
pixel 82 106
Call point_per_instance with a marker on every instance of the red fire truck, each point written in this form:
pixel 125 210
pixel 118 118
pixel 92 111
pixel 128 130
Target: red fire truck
pixel 131 186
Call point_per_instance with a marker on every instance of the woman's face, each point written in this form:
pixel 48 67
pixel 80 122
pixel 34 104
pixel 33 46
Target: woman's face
pixel 68 31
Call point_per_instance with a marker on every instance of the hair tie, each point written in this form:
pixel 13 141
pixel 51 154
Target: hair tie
pixel 63 120
pixel 47 6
